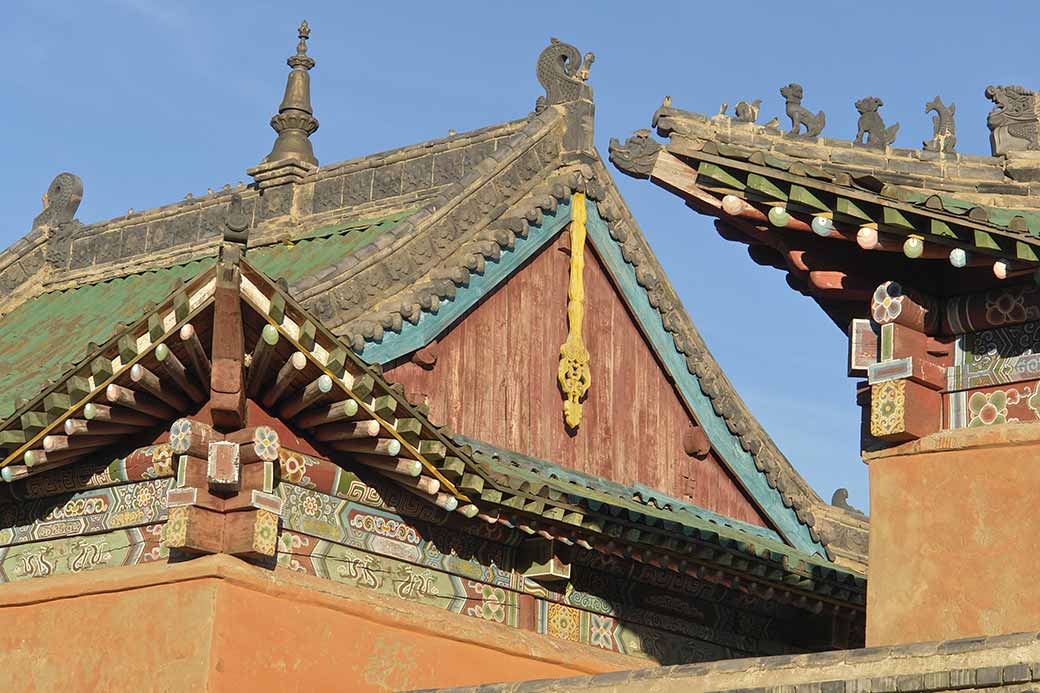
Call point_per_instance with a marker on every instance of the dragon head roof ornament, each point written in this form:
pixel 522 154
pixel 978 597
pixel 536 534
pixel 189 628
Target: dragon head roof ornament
pixel 563 74
pixel 1015 122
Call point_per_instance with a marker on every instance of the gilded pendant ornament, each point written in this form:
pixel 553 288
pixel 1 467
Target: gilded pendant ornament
pixel 573 373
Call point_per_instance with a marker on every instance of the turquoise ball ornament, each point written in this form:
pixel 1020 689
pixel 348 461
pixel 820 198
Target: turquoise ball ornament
pixel 778 216
pixel 822 226
pixel 913 248
pixel 958 258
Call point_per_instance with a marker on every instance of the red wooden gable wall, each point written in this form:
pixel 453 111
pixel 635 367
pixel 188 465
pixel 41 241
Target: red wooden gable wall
pixel 495 379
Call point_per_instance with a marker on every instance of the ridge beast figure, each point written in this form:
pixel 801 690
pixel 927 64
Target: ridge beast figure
pixel 799 114
pixel 871 124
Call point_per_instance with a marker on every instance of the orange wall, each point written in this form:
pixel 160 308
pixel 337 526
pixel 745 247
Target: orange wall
pixel 116 635
pixel 954 529
pixel 219 624
pixel 495 379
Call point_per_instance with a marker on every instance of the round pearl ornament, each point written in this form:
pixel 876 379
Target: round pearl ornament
pixel 867 238
pixel 958 258
pixel 732 205
pixel 913 247
pixel 778 216
pixel 1000 269
pixel 822 226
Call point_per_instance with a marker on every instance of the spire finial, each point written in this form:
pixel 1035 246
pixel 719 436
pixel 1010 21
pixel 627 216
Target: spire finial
pixel 295 120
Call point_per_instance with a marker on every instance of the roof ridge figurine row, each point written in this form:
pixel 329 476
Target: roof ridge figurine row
pixel 1014 124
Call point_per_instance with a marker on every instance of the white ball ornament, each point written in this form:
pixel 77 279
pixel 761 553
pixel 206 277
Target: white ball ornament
pixel 732 205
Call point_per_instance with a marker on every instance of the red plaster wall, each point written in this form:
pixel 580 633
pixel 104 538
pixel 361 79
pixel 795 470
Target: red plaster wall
pixel 495 379
pixel 218 624
pixel 953 538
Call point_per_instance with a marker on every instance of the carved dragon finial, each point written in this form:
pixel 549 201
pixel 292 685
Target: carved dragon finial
pixel 944 130
pixel 1015 122
pixel 872 126
pixel 60 203
pixel 562 72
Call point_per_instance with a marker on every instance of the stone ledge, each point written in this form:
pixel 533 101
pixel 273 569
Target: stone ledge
pixel 306 589
pixel 1003 435
pixel 996 663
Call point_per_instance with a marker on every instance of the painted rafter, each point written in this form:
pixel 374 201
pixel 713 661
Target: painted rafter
pixel 758 183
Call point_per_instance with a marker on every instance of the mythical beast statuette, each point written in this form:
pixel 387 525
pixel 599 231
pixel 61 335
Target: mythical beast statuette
pixel 1015 123
pixel 872 126
pixel 637 155
pixel 799 114
pixel 944 130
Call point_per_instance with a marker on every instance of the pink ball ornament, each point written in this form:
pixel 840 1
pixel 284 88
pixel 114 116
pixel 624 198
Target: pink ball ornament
pixel 732 205
pixel 867 238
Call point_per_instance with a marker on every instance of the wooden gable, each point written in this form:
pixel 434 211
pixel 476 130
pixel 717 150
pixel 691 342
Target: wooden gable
pixel 493 376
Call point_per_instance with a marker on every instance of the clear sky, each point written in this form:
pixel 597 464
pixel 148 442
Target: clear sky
pixel 147 100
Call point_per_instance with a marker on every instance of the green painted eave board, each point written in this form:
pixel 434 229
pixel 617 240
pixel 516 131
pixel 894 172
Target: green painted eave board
pixel 48 334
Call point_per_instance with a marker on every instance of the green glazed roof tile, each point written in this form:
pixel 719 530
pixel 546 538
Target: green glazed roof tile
pixel 314 250
pixel 611 498
pixel 47 334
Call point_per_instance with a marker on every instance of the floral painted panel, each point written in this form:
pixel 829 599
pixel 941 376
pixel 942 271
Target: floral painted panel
pixel 995 405
pixel 86 512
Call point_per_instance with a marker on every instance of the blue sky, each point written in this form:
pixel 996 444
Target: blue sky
pixel 150 99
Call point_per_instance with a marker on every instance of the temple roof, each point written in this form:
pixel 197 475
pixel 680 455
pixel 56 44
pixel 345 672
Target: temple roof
pixel 954 222
pixel 378 248
pixel 533 496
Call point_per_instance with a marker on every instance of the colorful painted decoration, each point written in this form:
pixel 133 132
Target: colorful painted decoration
pixel 913 247
pixel 733 205
pixel 958 258
pixel 822 226
pixel 1000 269
pixel 887 302
pixel 867 238
pixel 778 216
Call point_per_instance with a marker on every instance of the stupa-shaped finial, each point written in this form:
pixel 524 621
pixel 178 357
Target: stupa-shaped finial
pixel 295 120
